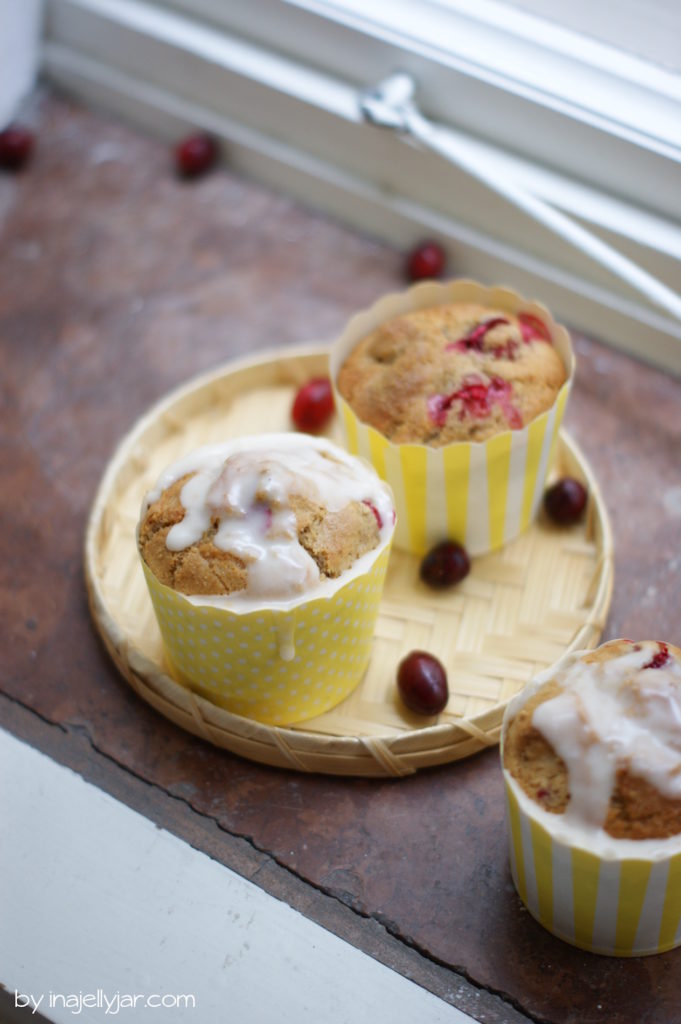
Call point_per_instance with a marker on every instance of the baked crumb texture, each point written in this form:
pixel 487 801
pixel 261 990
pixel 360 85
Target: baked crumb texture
pixel 636 810
pixel 335 540
pixel 458 372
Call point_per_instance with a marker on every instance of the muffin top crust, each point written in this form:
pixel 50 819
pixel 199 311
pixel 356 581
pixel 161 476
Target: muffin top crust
pixel 457 372
pixel 600 742
pixel 269 522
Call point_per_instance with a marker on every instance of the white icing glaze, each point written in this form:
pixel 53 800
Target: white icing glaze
pixel 574 834
pixel 286 635
pixel 247 485
pixel 610 714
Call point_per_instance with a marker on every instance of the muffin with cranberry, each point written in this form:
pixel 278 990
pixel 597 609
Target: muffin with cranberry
pixel 456 393
pixel 592 761
pixel 265 559
pixel 270 523
pixel 455 372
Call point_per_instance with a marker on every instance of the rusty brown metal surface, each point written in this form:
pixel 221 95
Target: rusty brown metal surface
pixel 117 282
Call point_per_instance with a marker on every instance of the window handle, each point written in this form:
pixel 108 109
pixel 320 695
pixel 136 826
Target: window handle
pixel 391 104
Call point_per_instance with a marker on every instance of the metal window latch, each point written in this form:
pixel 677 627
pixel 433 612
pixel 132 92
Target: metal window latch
pixel 391 104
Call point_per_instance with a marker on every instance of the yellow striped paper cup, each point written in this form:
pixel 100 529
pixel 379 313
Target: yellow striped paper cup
pixel 275 664
pixel 480 494
pixel 618 897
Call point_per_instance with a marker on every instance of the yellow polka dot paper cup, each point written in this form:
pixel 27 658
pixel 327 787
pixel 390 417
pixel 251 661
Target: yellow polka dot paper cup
pixel 276 665
pixel 618 897
pixel 276 661
pixel 481 494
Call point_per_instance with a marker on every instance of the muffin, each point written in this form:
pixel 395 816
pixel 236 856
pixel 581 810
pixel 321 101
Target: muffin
pixel 591 753
pixel 262 523
pixel 265 559
pixel 455 392
pixel 455 372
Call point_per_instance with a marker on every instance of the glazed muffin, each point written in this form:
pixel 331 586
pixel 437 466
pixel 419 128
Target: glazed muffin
pixel 601 741
pixel 267 522
pixel 265 559
pixel 453 372
pixel 591 752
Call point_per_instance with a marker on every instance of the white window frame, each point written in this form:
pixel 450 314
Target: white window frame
pixel 19 34
pixel 489 69
pixel 278 81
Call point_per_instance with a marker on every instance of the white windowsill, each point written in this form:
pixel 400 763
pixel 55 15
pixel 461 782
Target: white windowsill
pixel 97 897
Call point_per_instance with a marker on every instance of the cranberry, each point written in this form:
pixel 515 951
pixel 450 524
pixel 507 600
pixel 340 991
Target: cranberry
pixel 661 658
pixel 565 501
pixel 426 260
pixel 506 351
pixel 195 155
pixel 532 327
pixel 474 338
pixel 375 512
pixel 500 391
pixel 473 397
pixel 422 682
pixel 445 564
pixel 313 405
pixel 476 399
pixel 438 406
pixel 16 146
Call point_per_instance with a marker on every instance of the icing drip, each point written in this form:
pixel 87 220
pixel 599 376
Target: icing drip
pixel 246 495
pixel 286 635
pixel 623 711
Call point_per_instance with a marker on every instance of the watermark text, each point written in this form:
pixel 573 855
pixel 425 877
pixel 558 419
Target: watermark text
pixel 76 1002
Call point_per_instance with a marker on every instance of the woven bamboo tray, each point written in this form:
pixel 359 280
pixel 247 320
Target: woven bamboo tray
pixel 518 611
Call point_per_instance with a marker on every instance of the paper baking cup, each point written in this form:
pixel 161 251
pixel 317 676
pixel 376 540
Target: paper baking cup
pixel 276 665
pixel 481 494
pixel 623 904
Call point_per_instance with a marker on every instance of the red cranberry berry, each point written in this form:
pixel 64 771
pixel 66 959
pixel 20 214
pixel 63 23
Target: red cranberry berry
pixel 662 658
pixel 532 327
pixel 16 146
pixel 195 155
pixel 476 399
pixel 426 260
pixel 445 564
pixel 474 338
pixel 565 501
pixel 313 405
pixel 422 682
pixel 374 511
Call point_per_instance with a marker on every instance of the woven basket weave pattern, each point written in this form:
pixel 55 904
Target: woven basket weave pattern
pixel 518 611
